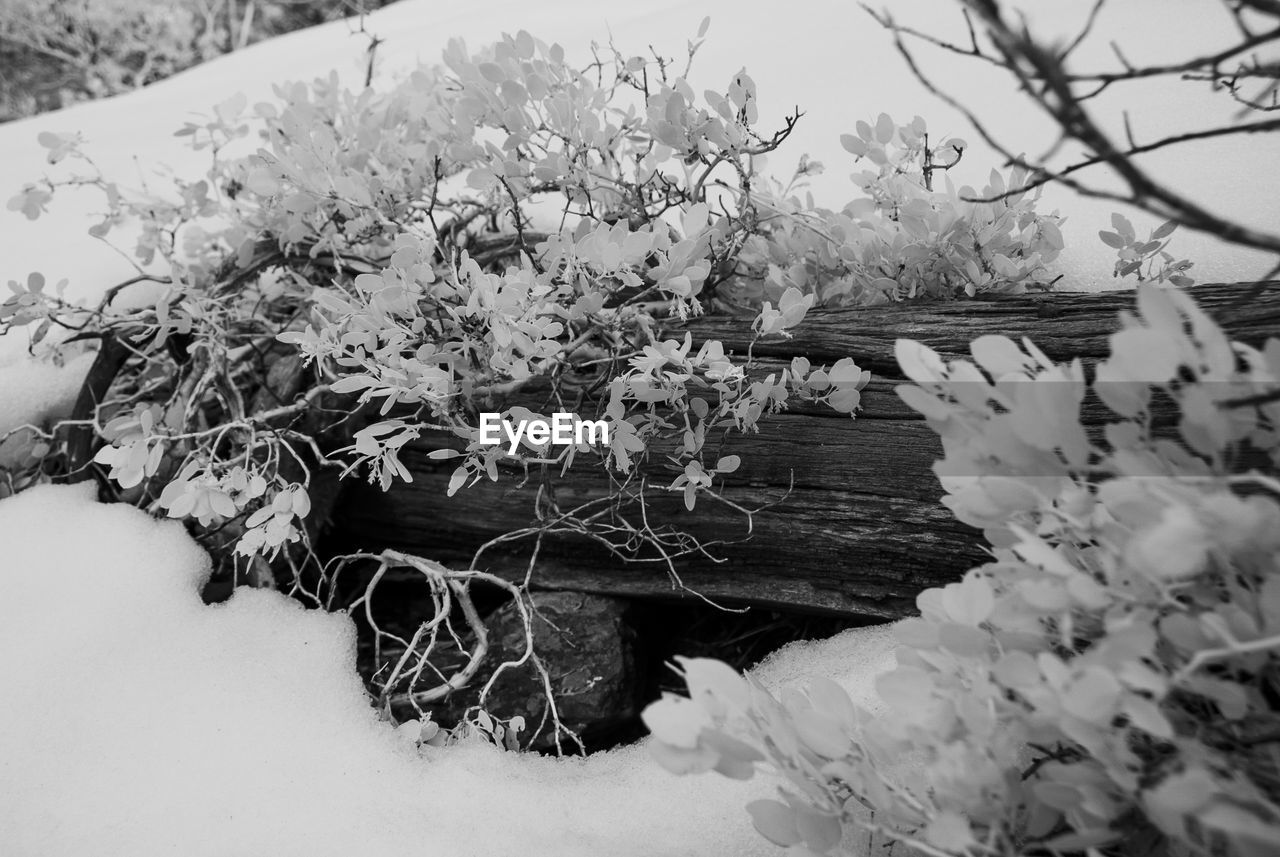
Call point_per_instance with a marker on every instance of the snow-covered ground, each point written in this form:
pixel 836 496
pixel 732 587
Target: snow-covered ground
pixel 134 720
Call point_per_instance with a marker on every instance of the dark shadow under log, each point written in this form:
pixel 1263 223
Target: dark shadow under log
pixel 857 528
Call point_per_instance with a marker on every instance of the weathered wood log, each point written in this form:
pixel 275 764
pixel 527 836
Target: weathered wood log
pixel 861 530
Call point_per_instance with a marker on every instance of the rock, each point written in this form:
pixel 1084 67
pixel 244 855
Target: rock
pixel 589 651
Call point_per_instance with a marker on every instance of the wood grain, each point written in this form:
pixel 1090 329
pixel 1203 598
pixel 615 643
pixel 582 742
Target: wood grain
pixel 860 532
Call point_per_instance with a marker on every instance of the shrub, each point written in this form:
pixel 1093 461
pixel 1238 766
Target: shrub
pixel 381 269
pixel 902 239
pixel 385 236
pixel 1112 674
pixel 1138 259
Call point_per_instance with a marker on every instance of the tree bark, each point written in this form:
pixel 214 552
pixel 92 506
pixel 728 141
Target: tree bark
pixel 857 528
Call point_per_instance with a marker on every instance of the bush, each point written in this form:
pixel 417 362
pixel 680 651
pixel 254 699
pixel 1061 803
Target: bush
pixel 367 233
pixel 1111 679
pixel 373 274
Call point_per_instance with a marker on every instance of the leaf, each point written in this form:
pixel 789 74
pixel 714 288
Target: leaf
pixel 731 748
pixel 728 464
pixel 1016 669
pixel 481 178
pixel 455 481
pixel 821 733
pixel 683 760
pixel 832 699
pixel 1179 795
pixel 1125 397
pixel 524 45
pixel 885 129
pixel 970 601
pixel 1147 716
pixel 262 182
pixel 695 219
pixel 853 145
pixel 1175 548
pixel 844 372
pixel 222 504
pixel 1093 696
pixel 1111 239
pixel 905 689
pixel 708 677
pixel 965 641
pixel 999 355
pixel 923 402
pixel 775 821
pixel 821 831
pixel 844 400
pixel 352 383
pixel 916 633
pixel 919 362
pixel 1143 354
pixel 1231 698
pixel 1037 552
pixel 1045 594
pixel 702 28
pixel 675 720
pixel 1122 225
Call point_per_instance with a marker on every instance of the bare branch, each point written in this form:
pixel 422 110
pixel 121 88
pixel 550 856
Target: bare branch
pixel 1040 73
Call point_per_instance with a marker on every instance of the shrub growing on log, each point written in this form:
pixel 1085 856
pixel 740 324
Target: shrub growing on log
pixel 386 237
pixel 509 223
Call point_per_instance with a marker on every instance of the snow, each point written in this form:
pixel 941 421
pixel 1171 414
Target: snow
pixel 37 392
pixel 140 721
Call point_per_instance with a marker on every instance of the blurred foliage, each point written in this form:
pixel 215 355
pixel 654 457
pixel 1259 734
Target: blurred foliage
pixel 1110 682
pixel 55 53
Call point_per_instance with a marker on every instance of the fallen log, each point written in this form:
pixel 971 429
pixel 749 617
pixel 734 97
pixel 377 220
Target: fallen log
pixel 856 527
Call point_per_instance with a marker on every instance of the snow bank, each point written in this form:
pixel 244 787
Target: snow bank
pixel 139 721
pixel 37 392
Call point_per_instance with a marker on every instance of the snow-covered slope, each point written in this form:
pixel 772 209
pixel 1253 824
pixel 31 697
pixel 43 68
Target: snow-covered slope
pixel 138 722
